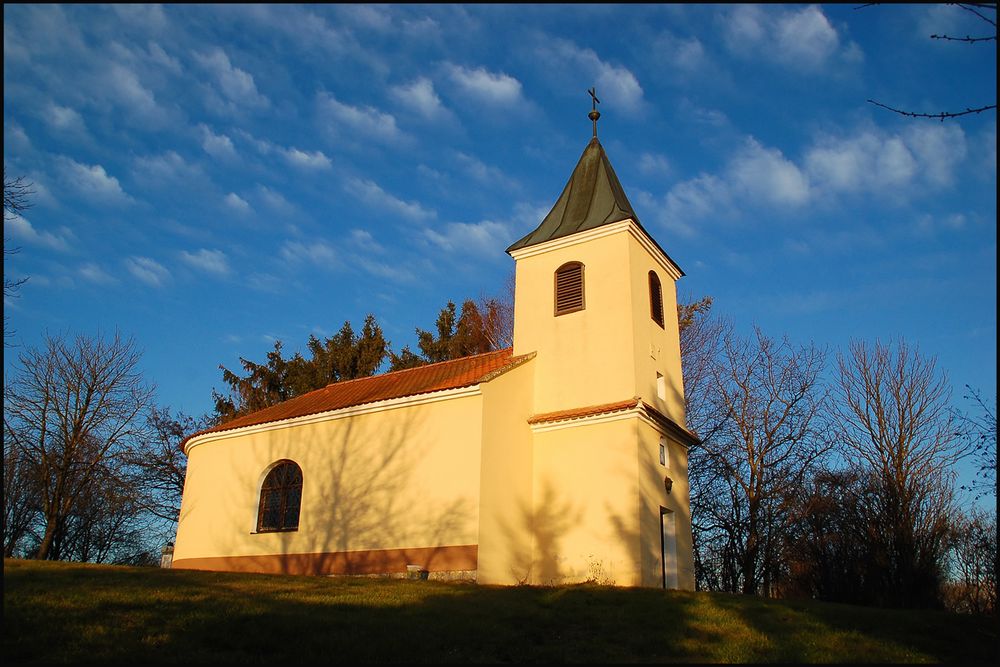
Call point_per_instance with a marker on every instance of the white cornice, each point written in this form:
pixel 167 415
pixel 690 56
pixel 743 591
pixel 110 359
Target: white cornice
pixel 628 225
pixel 638 411
pixel 342 413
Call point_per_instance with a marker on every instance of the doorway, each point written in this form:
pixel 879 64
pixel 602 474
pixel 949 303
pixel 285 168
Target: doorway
pixel 668 547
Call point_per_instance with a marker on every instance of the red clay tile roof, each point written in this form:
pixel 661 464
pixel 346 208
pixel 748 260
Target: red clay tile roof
pixel 685 436
pixel 453 374
pixel 583 412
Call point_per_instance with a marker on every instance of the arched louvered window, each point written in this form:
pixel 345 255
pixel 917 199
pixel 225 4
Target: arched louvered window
pixel 655 298
pixel 280 498
pixel 569 288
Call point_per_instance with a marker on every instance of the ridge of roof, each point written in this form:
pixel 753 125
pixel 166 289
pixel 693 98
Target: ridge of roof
pixel 438 376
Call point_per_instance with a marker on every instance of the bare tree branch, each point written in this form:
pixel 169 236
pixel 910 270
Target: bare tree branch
pixel 941 116
pixel 970 40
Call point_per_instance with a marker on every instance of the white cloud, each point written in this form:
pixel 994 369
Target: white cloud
pixel 755 175
pixel 685 55
pixel 875 161
pixel 237 203
pixel 166 167
pixel 64 118
pixel 615 84
pixel 866 161
pixel 797 38
pixel 364 120
pixel 484 86
pixel 938 147
pixel 484 173
pixel 319 253
pixel 237 85
pixel 14 137
pixel 306 160
pixel 95 274
pixel 480 239
pixel 653 164
pixel 20 228
pixel 766 175
pixel 420 96
pixel 363 240
pixel 123 86
pixel 369 192
pixel 928 224
pixel 217 145
pixel 93 182
pixel 275 200
pixel 806 36
pixel 694 199
pixel 147 270
pixel 396 272
pixel 367 16
pixel 210 261
pixel 163 59
pixel 147 17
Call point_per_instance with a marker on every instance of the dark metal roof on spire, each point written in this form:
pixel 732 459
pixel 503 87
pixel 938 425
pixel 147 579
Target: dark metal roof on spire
pixel 592 198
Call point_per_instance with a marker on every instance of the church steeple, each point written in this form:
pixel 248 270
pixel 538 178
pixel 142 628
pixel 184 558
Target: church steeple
pixel 593 197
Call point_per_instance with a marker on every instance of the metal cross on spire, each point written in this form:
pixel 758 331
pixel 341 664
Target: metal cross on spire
pixel 594 113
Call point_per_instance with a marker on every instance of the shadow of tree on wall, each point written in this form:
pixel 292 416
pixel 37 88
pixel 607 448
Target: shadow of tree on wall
pixel 546 523
pixel 363 508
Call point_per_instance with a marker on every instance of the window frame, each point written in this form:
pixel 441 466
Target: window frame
pixel 285 492
pixel 564 268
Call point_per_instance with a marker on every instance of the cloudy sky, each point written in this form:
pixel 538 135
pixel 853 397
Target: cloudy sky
pixel 210 179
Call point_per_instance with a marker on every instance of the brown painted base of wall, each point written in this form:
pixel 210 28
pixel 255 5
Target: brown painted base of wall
pixel 383 561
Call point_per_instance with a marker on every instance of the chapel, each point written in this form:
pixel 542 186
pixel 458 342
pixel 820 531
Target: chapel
pixel 560 460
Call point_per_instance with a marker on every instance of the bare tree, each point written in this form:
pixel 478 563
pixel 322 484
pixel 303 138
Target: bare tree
pixel 895 426
pixel 159 465
pixel 701 335
pixel 979 429
pixel 773 434
pixel 20 498
pixel 71 408
pixel 974 556
pixel 497 313
pixel 16 199
pixel 977 9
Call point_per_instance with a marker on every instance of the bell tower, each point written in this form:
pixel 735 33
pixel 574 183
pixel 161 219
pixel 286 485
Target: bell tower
pixel 595 298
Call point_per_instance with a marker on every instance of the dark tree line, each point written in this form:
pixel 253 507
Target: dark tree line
pixel 841 487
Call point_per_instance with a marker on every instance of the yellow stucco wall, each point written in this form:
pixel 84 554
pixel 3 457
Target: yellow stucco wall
pixel 599 493
pixel 612 349
pixel 586 357
pixel 657 349
pixel 404 477
pixel 505 507
pixel 586 519
pixel 654 498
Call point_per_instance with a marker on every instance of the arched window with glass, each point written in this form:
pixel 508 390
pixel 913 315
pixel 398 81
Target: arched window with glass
pixel 280 498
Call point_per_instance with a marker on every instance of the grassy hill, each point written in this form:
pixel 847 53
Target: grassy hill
pixel 70 612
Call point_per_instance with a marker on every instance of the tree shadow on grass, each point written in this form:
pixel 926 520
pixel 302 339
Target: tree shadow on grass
pixel 79 613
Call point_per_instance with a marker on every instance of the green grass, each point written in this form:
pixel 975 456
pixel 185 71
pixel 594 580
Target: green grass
pixel 74 613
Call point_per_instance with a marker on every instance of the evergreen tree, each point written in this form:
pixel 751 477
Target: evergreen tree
pixel 342 356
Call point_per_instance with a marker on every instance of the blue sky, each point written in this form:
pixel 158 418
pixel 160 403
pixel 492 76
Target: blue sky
pixel 211 178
